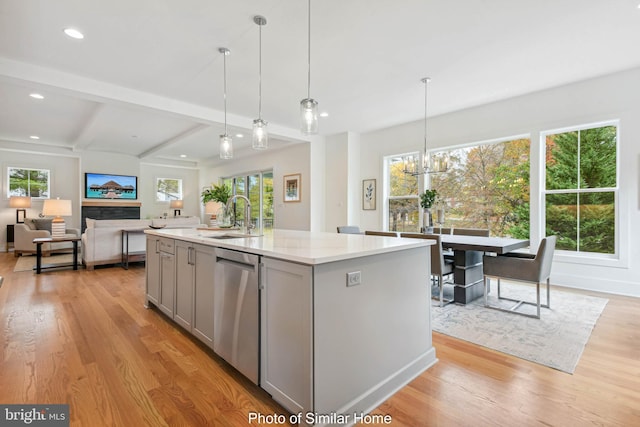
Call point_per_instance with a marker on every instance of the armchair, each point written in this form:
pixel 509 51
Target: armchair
pixel 33 228
pixel 521 268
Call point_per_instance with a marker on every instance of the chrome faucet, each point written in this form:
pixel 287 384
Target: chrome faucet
pixel 247 211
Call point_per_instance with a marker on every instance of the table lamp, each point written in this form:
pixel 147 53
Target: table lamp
pixel 177 205
pixel 21 203
pixel 57 208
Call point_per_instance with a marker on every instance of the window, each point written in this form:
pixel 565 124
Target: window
pixel 258 187
pixel 168 189
pixel 28 182
pixel 403 204
pixel 580 190
pixel 487 186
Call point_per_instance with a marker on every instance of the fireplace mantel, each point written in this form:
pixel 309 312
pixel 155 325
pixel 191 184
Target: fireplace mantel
pixel 112 203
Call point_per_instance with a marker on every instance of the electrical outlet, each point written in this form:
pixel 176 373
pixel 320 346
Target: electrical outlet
pixel 353 278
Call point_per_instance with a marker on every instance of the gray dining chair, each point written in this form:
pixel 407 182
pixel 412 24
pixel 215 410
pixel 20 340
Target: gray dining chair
pixel 349 229
pixel 440 266
pixel 381 233
pixel 520 267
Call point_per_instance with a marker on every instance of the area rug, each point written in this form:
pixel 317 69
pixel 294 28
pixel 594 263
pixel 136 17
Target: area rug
pixel 556 340
pixel 26 263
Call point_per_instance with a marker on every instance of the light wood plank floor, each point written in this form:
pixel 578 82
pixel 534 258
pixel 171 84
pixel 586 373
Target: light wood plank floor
pixel 84 338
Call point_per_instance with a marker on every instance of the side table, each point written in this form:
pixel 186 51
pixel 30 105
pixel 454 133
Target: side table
pixel 40 240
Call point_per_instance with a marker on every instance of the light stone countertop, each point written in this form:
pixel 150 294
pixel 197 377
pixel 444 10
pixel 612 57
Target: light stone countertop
pixel 298 246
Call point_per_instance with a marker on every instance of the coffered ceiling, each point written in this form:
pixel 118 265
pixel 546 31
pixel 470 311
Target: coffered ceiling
pixel 146 80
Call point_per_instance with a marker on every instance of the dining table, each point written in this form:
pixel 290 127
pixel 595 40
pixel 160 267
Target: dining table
pixel 467 260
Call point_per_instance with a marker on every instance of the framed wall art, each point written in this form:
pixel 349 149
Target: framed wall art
pixel 369 194
pixel 292 188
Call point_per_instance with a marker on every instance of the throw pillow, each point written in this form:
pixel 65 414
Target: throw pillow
pixel 29 222
pixel 43 224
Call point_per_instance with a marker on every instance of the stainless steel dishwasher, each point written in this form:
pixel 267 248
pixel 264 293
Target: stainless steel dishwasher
pixel 236 324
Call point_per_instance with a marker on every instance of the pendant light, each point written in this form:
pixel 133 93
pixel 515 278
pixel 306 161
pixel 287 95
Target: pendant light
pixel 309 106
pixel 260 131
pixel 226 142
pixel 431 163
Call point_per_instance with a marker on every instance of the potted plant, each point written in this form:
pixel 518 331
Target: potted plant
pixel 427 199
pixel 219 193
pixel 216 193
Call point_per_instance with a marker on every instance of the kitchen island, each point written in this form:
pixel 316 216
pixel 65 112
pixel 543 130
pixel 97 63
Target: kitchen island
pixel 340 321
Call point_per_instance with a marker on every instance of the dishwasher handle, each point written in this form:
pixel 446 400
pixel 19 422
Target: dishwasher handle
pixel 239 264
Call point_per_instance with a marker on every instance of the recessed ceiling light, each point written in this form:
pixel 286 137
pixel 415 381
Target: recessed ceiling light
pixel 183 155
pixel 324 114
pixel 36 96
pixel 73 33
pixel 34 137
pixel 239 135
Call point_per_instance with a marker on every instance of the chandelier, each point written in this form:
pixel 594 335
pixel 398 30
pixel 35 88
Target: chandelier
pixel 426 162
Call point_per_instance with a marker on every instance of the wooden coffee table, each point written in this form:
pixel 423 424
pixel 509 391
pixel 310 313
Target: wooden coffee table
pixel 40 240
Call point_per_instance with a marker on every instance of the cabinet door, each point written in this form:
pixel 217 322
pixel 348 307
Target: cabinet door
pixel 185 261
pixel 152 267
pixel 205 263
pixel 286 334
pixel 167 283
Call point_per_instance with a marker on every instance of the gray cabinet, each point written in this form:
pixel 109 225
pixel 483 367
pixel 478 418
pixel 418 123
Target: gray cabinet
pixel 160 272
pixel 152 267
pixel 185 261
pixel 195 268
pixel 286 370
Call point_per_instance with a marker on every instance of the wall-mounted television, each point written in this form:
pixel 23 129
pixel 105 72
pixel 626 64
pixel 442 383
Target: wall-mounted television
pixel 107 186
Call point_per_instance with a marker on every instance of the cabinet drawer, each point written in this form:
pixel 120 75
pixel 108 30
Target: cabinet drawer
pixel 166 245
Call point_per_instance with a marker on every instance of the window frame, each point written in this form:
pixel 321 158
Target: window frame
pixel 40 170
pixel 181 194
pixel 593 258
pixel 387 189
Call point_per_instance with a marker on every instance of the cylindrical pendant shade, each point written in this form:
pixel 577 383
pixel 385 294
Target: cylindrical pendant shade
pixel 260 135
pixel 309 116
pixel 226 147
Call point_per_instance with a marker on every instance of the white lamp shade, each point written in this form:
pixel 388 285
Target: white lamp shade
pixel 56 207
pixel 211 208
pixel 20 202
pixel 176 204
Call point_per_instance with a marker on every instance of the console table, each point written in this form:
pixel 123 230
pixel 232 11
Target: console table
pixel 127 256
pixel 40 240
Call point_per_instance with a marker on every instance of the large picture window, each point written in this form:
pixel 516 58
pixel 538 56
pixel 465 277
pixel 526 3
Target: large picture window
pixel 34 183
pixel 581 187
pixel 258 187
pixel 487 186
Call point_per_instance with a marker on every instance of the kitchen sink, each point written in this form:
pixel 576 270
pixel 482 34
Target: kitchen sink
pixel 232 236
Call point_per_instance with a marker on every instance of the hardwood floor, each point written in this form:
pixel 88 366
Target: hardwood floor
pixel 84 338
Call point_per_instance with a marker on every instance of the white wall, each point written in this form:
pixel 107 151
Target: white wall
pixel 292 159
pixel 610 97
pixel 151 208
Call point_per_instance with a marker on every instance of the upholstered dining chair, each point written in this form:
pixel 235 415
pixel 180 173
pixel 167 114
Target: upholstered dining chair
pixel 381 233
pixel 440 266
pixel 349 229
pixel 521 268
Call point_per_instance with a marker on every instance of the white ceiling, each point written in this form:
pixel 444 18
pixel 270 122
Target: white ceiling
pixel 147 78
